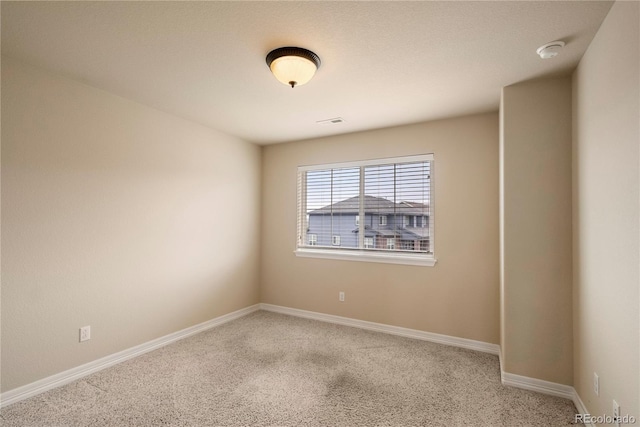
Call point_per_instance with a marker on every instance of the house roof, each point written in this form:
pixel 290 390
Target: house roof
pixel 385 232
pixel 373 204
pixel 413 232
pixel 406 233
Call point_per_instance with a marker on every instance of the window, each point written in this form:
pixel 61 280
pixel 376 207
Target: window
pixel 368 242
pixel 332 198
pixel 391 243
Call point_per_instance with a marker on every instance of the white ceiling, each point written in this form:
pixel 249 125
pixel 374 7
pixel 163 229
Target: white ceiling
pixel 383 63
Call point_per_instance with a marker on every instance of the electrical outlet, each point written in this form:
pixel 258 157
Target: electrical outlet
pixel 341 296
pixel 596 384
pixel 616 413
pixel 85 333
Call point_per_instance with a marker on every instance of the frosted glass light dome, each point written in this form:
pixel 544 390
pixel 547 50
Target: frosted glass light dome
pixel 293 66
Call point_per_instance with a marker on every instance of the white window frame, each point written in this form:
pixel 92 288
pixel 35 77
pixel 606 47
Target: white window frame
pixel 335 240
pixel 368 254
pixel 368 243
pixel 357 219
pixel 313 239
pixel 391 243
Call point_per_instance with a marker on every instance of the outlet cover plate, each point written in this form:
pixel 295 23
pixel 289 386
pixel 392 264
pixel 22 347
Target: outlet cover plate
pixel 85 333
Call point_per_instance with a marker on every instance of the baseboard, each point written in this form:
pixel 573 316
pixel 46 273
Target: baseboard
pixel 545 387
pixel 57 380
pixel 534 384
pixel 541 386
pixel 580 406
pixel 388 329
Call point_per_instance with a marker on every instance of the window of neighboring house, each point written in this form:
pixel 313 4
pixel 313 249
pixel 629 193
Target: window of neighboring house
pixel 332 196
pixel 368 242
pixel 391 243
pixel 408 245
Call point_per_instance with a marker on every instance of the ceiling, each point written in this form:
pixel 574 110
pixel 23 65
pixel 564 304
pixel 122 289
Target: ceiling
pixel 383 63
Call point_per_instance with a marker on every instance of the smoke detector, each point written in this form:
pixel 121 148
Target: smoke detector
pixel 550 50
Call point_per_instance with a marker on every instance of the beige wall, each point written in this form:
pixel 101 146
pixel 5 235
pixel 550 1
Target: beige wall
pixel 535 145
pixel 117 216
pixel 459 296
pixel 606 119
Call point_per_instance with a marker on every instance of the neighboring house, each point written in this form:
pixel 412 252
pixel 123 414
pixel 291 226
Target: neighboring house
pixel 387 225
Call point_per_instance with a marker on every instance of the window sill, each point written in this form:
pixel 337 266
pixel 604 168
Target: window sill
pixel 366 256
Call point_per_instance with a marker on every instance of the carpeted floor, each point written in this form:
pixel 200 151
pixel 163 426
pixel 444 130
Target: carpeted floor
pixel 268 369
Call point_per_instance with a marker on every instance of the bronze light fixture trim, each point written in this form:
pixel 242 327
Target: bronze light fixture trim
pixel 293 66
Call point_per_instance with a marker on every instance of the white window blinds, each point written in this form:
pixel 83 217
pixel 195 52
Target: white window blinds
pixel 383 205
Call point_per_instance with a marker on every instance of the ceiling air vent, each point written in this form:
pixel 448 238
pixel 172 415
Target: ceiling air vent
pixel 333 121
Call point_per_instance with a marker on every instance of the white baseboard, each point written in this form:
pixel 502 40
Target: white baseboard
pixel 545 387
pixel 388 329
pixel 580 406
pixel 541 386
pixel 57 380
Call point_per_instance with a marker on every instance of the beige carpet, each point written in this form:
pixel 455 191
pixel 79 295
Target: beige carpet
pixel 268 369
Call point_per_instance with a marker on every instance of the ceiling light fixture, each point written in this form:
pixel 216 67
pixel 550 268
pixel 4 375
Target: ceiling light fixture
pixel 550 50
pixel 293 66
